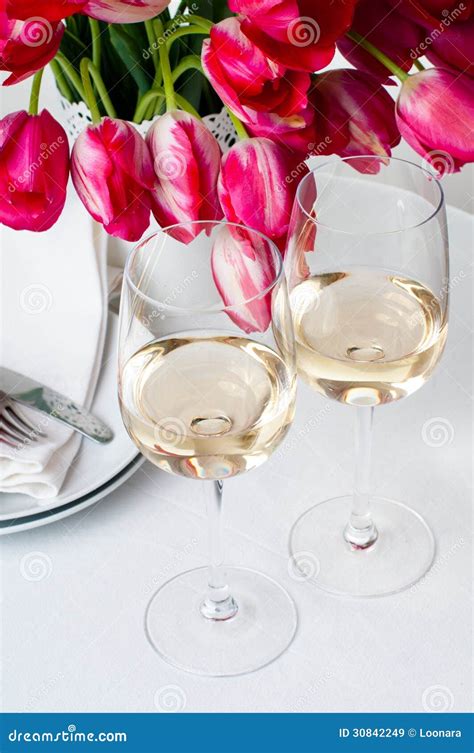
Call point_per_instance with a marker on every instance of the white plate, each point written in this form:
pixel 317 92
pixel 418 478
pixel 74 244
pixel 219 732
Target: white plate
pixel 51 516
pixel 94 464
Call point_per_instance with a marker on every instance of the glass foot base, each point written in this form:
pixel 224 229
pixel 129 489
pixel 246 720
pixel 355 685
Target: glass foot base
pixel 401 555
pixel 263 627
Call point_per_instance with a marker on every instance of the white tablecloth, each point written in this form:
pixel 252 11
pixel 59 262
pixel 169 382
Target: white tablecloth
pixel 74 641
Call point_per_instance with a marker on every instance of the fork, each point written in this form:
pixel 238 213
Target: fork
pixel 15 429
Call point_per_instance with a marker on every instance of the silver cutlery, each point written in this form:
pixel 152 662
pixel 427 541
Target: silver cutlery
pixel 22 389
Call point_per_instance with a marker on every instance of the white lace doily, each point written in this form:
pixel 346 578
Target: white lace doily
pixel 77 117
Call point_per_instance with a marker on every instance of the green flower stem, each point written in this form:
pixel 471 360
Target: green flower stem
pixel 419 65
pixel 238 125
pixel 89 91
pixel 183 31
pixel 155 95
pixel 71 74
pixel 35 90
pixel 95 33
pixel 61 81
pixel 72 36
pixel 378 55
pixel 150 32
pixel 204 23
pixel 159 94
pixel 101 89
pixel 185 64
pixel 165 66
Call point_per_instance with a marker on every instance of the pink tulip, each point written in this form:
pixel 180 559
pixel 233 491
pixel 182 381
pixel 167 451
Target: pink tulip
pixel 34 169
pixel 387 29
pixel 248 82
pixel 435 113
pixel 256 186
pixel 243 268
pixel 186 159
pixel 353 104
pixel 300 34
pixel 454 48
pixel 27 46
pixel 124 11
pixel 112 172
pixel 43 10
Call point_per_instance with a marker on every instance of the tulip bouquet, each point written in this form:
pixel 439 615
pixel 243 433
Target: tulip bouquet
pixel 133 61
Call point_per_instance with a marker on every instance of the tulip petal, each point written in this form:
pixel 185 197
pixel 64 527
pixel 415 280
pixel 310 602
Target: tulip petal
pixel 124 11
pixel 243 269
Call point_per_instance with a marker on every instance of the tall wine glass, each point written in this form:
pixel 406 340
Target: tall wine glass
pixel 207 391
pixel 367 265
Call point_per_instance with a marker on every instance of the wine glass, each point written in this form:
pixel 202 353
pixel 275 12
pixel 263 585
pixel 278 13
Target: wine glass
pixel 367 268
pixel 207 381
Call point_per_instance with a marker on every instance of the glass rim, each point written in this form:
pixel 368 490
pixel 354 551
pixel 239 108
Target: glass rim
pixel 216 308
pixel 379 158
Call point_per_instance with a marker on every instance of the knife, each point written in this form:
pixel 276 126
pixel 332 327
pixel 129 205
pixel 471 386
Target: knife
pixel 35 395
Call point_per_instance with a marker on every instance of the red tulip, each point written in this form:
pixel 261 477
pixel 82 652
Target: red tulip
pixel 390 31
pixel 43 10
pixel 256 186
pixel 245 79
pixel 124 11
pixel 300 34
pixel 435 113
pixel 243 268
pixel 112 172
pixel 187 159
pixel 453 47
pixel 27 46
pixel 353 104
pixel 34 169
pixel 429 13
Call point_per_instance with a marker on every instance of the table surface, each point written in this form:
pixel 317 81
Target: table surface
pixel 74 641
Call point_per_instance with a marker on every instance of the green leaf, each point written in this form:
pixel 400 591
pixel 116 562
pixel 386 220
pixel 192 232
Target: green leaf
pixel 131 54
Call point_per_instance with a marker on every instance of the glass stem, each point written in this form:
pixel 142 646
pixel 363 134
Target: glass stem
pixel 218 604
pixel 361 532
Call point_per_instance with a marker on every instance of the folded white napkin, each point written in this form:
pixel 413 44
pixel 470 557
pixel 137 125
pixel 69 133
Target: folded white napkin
pixel 54 305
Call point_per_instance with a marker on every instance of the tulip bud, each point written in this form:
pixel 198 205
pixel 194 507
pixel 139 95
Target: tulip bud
pixel 256 186
pixel 112 172
pixel 454 48
pixel 43 10
pixel 34 169
pixel 243 269
pixel 435 113
pixel 186 158
pixel 299 34
pixel 354 104
pixel 391 32
pixel 124 11
pixel 27 46
pixel 246 80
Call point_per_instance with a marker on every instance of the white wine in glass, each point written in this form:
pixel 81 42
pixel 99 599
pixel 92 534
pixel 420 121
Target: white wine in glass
pixel 207 391
pixel 367 264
